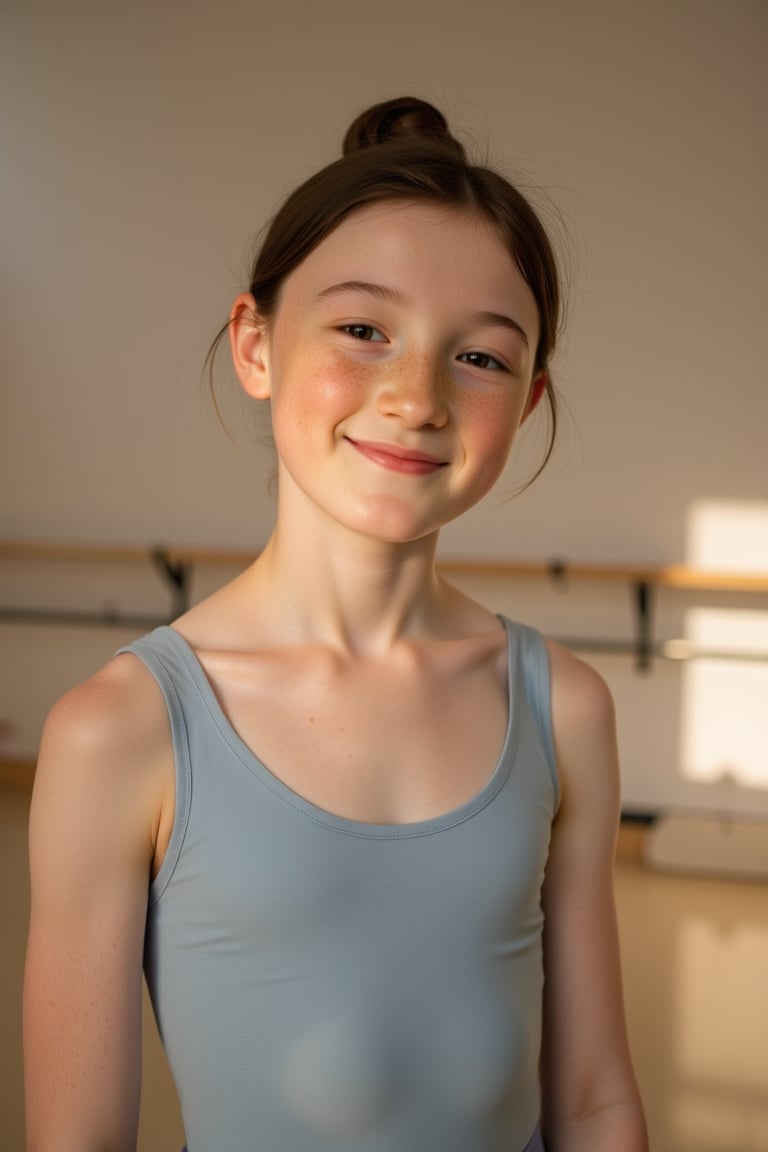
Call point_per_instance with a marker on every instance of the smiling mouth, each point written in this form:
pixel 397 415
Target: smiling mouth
pixel 398 459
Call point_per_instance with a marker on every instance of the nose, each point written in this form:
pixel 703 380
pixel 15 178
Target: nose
pixel 415 392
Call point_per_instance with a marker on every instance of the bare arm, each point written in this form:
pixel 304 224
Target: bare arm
pixel 590 1097
pixel 96 808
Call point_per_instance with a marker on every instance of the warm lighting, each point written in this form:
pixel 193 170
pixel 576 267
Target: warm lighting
pixel 729 535
pixel 724 715
pixel 720 1037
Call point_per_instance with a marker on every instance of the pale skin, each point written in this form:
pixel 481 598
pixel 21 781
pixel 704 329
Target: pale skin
pixel 399 366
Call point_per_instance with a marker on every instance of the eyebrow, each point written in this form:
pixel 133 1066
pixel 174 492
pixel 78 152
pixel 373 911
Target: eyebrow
pixel 379 290
pixel 499 321
pixel 382 292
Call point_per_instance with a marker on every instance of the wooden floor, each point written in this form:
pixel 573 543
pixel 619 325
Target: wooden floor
pixel 696 981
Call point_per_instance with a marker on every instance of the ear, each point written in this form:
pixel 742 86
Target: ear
pixel 536 391
pixel 248 342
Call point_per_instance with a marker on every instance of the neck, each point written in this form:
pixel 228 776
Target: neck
pixel 350 592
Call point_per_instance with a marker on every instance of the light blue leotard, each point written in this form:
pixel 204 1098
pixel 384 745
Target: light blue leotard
pixel 325 985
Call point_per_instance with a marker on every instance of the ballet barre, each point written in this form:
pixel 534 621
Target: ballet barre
pixel 175 566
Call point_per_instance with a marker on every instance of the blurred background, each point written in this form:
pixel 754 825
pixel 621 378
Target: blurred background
pixel 144 146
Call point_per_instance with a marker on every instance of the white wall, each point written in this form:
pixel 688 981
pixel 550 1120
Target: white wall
pixel 144 142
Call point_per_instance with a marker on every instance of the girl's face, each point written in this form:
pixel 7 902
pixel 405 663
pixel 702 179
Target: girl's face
pixel 399 365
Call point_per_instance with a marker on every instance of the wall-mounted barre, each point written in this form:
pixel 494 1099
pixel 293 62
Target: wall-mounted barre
pixel 176 565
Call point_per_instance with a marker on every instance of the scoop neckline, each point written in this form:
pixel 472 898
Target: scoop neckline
pixel 324 817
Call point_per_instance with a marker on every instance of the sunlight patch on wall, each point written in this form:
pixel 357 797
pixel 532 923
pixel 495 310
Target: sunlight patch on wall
pixel 724 716
pixel 728 535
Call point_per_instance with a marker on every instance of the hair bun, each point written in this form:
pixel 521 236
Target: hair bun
pixel 406 117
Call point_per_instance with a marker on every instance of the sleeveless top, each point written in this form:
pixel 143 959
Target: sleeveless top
pixel 327 985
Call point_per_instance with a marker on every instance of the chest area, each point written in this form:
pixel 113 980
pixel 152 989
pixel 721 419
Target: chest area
pixel 374 741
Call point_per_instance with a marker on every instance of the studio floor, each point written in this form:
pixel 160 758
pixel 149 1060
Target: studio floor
pixel 696 981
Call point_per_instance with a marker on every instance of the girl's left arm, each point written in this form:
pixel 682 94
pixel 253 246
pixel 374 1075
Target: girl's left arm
pixel 590 1100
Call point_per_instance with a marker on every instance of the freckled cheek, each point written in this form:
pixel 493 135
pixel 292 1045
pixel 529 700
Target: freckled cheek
pixel 319 393
pixel 490 423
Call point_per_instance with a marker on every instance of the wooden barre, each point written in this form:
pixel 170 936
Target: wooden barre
pixel 176 564
pixel 679 576
pixel 59 551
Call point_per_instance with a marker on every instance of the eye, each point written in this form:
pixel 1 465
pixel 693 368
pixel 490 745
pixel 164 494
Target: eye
pixel 362 332
pixel 483 360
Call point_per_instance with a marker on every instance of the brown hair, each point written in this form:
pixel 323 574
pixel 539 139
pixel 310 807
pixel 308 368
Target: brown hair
pixel 403 150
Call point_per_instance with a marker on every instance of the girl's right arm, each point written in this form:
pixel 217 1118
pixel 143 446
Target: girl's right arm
pixel 100 797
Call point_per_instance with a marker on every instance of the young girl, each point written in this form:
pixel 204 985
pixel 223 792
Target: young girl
pixel 358 829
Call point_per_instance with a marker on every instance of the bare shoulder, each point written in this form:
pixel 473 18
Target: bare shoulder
pixel 584 728
pixel 579 692
pixel 97 808
pixel 589 1094
pixel 106 749
pixel 119 712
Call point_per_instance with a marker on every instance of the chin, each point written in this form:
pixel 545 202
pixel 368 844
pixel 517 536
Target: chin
pixel 396 527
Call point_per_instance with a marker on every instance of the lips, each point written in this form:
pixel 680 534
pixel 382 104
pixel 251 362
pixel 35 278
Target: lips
pixel 396 458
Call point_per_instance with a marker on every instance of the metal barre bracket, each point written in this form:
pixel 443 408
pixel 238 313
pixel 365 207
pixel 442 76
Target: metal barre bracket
pixel 176 577
pixel 643 643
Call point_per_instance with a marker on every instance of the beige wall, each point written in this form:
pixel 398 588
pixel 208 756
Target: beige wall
pixel 145 143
